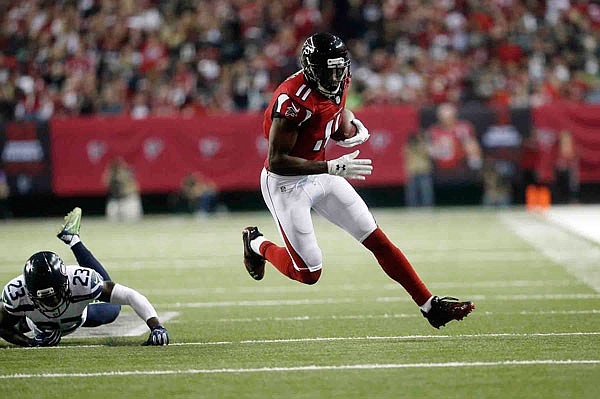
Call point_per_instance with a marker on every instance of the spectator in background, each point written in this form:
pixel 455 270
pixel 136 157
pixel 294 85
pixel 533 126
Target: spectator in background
pixel 418 190
pixel 197 195
pixel 453 142
pixel 497 190
pixel 124 202
pixel 566 171
pixel 57 57
pixel 4 194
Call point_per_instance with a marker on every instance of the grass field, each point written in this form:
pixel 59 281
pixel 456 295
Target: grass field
pixel 355 334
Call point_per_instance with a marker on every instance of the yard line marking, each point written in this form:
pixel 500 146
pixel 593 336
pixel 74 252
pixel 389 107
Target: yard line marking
pixel 331 339
pixel 275 302
pixel 409 337
pixel 335 301
pixel 543 362
pixel 516 297
pixel 286 289
pixel 396 316
pixel 576 255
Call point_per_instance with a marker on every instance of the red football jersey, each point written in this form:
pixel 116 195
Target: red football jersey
pixel 317 116
pixel 448 144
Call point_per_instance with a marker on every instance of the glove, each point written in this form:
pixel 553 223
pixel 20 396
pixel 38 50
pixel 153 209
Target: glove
pixel 47 338
pixel 348 166
pixel 361 136
pixel 158 336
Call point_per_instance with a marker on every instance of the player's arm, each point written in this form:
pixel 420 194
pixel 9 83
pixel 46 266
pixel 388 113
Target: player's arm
pixel 8 331
pixel 121 295
pixel 282 138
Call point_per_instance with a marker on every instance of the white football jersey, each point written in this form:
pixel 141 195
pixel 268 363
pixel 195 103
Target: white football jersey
pixel 86 286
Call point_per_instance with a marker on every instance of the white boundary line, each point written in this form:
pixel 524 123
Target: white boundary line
pixel 545 362
pixel 332 339
pixel 576 255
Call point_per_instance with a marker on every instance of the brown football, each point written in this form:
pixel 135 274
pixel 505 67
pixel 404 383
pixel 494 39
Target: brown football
pixel 346 128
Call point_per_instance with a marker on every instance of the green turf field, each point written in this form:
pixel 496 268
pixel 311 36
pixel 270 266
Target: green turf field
pixel 355 334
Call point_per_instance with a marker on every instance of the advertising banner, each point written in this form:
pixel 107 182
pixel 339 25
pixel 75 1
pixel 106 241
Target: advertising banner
pixel 229 150
pixel 582 122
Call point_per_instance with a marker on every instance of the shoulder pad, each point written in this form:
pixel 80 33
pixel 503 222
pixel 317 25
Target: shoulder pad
pixel 85 283
pixel 14 296
pixel 290 109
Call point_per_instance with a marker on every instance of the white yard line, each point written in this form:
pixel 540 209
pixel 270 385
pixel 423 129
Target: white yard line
pixel 516 297
pixel 335 301
pixel 286 289
pixel 399 316
pixel 333 339
pixel 502 363
pixel 576 255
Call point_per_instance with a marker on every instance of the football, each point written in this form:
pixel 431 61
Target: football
pixel 346 128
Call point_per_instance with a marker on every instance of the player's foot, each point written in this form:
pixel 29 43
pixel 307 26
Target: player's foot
pixel 71 226
pixel 255 264
pixel 447 309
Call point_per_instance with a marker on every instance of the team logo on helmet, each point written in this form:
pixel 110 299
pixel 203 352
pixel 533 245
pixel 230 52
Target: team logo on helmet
pixel 308 47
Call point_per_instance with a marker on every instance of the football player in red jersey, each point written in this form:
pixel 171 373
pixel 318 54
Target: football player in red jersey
pixel 303 114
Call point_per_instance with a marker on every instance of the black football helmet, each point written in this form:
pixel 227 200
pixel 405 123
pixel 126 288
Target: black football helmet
pixel 47 283
pixel 326 63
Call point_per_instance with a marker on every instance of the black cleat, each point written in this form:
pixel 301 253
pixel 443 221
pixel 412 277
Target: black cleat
pixel 255 264
pixel 447 309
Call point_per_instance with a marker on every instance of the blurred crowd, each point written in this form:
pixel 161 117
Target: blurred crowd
pixel 189 57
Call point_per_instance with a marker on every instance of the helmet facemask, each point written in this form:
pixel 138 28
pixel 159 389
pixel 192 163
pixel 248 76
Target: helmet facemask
pixel 329 78
pixel 52 301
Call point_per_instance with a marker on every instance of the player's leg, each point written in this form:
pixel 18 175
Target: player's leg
pixel 344 207
pixel 301 258
pixel 69 234
pixel 101 313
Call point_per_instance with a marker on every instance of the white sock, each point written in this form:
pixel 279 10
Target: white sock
pixel 74 241
pixel 426 307
pixel 255 244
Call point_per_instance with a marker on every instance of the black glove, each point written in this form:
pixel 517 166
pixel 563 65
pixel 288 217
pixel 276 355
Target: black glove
pixel 158 336
pixel 47 338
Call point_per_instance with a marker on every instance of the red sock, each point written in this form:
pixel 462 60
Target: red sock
pixel 280 258
pixel 395 264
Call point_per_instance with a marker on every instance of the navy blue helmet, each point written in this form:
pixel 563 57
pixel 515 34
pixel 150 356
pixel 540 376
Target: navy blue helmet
pixel 47 283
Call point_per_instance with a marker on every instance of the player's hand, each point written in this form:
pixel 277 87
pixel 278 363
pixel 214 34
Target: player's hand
pixel 362 135
pixel 350 167
pixel 48 338
pixel 158 336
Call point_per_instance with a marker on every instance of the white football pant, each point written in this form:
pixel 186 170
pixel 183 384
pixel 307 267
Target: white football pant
pixel 290 200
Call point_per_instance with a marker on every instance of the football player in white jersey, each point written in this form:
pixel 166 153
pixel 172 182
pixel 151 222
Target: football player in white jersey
pixel 52 299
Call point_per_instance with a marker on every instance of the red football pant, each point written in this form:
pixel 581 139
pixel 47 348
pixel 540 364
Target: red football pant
pixel 395 264
pixel 280 258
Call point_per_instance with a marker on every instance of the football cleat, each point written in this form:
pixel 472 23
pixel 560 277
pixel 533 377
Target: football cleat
pixel 255 264
pixel 447 309
pixel 71 226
